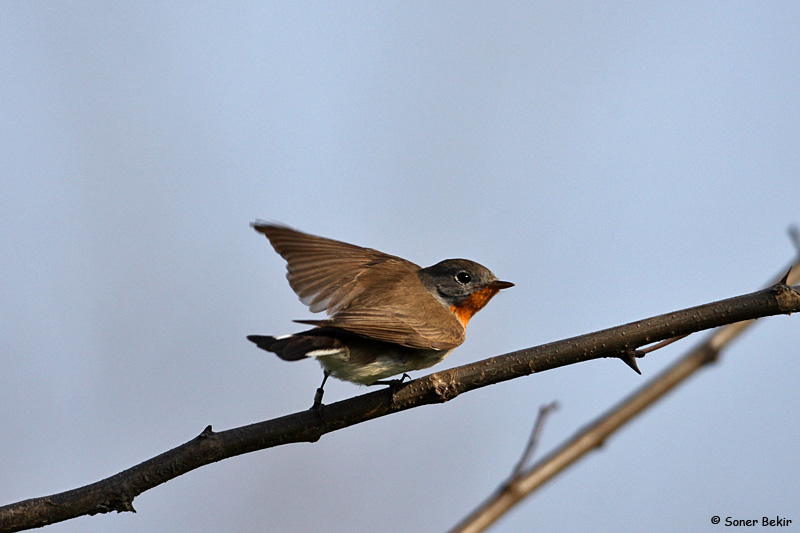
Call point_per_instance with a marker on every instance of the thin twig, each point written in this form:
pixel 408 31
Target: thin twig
pixel 533 440
pixel 662 344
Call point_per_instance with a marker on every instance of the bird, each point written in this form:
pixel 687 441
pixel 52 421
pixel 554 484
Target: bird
pixel 386 315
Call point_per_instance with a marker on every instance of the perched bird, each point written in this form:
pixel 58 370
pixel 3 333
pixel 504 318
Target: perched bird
pixel 387 316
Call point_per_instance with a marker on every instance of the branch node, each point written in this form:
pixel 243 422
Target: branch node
pixel 710 354
pixel 119 502
pixel 126 505
pixel 444 389
pixel 207 432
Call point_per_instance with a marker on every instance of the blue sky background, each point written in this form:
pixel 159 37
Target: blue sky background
pixel 614 161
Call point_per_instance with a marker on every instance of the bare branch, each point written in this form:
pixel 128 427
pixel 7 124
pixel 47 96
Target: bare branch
pixel 594 434
pixel 117 492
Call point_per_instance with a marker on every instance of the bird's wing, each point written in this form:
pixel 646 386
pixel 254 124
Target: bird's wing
pixel 413 330
pixel 323 272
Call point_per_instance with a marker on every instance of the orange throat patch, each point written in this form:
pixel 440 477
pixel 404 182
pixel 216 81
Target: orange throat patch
pixel 474 303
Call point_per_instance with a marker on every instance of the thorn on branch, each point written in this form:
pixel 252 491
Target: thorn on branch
pixel 785 279
pixel 629 358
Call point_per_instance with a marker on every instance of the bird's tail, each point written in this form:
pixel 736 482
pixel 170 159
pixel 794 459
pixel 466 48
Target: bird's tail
pixel 277 345
pixel 318 342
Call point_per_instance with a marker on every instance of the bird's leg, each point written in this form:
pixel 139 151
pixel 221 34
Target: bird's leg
pixel 320 391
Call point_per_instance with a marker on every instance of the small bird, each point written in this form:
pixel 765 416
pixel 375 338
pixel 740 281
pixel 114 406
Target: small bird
pixel 387 316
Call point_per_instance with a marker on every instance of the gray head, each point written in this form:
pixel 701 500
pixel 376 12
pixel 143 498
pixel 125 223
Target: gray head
pixel 454 281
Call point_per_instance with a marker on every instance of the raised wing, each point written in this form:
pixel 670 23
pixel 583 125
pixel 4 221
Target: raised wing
pixel 323 272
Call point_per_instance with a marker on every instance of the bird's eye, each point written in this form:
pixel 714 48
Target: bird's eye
pixel 463 278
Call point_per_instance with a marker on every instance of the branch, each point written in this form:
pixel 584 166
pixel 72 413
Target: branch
pixel 117 492
pixel 593 435
pixel 533 441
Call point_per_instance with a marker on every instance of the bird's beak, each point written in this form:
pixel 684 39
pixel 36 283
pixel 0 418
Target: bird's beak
pixel 498 285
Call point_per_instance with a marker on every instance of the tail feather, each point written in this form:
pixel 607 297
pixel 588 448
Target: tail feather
pixel 297 347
